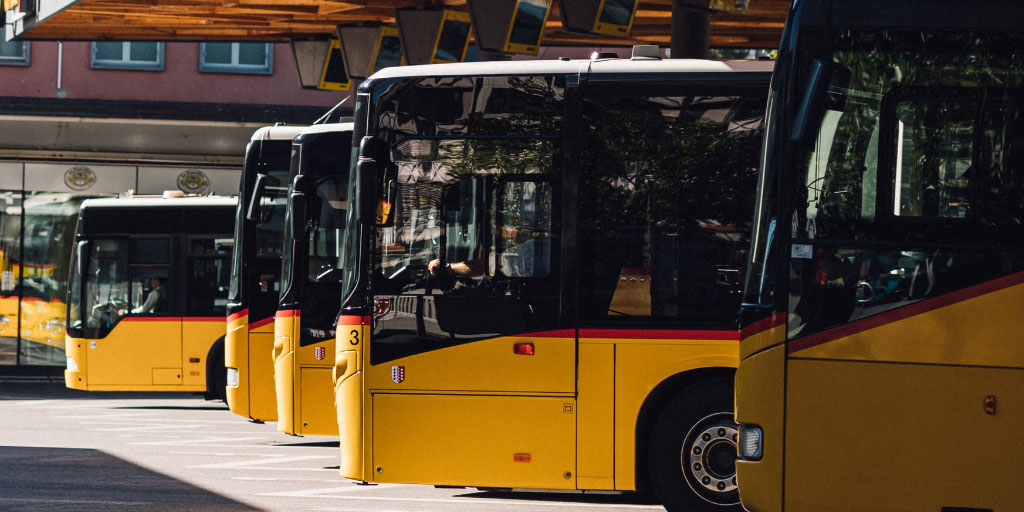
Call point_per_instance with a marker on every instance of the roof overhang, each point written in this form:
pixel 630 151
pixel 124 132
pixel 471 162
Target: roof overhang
pixel 286 20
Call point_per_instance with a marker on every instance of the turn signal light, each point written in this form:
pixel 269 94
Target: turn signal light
pixel 523 349
pixel 522 457
pixel 232 379
pixel 750 442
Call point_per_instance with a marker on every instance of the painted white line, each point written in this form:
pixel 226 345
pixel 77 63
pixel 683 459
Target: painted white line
pixel 75 502
pixel 194 442
pixel 149 418
pixel 275 460
pixel 142 428
pixel 322 493
pixel 280 479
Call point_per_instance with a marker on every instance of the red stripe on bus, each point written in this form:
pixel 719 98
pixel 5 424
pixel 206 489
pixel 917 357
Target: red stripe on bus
pixel 353 320
pixel 285 313
pixel 762 325
pixel 653 334
pixel 260 323
pixel 895 315
pixel 235 316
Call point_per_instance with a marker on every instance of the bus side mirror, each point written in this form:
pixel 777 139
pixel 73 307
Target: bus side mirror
pixel 252 211
pixel 371 150
pixel 82 250
pixel 824 86
pixel 297 213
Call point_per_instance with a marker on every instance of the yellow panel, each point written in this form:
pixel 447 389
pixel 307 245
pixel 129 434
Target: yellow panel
pixel 762 334
pixel 285 330
pixel 595 415
pixel 316 403
pixel 76 379
pixel 283 371
pixel 197 337
pixel 474 440
pixel 639 367
pixel 879 436
pixel 484 366
pixel 236 355
pixel 760 393
pixel 127 356
pixel 982 331
pixel 262 393
pixel 166 376
pixel 348 397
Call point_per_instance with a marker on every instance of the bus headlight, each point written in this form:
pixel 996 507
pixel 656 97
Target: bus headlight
pixel 72 365
pixel 232 377
pixel 751 438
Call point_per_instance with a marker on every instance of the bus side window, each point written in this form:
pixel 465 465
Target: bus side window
pixel 151 290
pixel 207 274
pixel 524 234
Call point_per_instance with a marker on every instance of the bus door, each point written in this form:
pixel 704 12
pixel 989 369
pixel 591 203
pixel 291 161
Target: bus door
pixel 130 296
pixel 207 271
pixel 466 350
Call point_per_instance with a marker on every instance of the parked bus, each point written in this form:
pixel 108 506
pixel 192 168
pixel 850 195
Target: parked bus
pixel 882 361
pixel 147 294
pixel 304 326
pixel 542 275
pixel 256 273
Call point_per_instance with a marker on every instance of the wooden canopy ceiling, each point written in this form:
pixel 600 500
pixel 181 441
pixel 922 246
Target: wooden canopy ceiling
pixel 285 20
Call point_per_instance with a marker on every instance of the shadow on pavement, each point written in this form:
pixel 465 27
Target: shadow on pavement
pixel 320 444
pixel 38 390
pixel 212 406
pixel 608 498
pixel 72 479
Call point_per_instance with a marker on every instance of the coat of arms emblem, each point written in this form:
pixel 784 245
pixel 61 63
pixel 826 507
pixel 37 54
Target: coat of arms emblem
pixel 397 374
pixel 320 353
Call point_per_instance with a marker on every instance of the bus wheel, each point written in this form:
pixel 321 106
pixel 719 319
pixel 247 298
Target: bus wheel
pixel 216 373
pixel 692 451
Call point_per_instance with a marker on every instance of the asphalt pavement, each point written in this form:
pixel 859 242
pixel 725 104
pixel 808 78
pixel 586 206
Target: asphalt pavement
pixel 71 450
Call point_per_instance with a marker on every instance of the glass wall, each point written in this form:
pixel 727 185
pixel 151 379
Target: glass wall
pixel 39 205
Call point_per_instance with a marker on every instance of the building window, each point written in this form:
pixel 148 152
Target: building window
pixel 255 58
pixel 128 55
pixel 12 53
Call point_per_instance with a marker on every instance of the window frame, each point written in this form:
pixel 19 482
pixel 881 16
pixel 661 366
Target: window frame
pixel 235 67
pixel 126 63
pixel 26 51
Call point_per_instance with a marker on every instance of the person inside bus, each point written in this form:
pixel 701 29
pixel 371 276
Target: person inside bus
pixel 156 301
pixel 469 268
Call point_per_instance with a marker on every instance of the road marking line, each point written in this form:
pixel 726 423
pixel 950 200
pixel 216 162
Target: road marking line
pixel 320 493
pixel 275 460
pixel 91 502
pixel 192 442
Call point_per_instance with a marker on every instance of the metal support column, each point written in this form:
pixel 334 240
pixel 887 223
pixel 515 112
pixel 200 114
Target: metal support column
pixel 691 27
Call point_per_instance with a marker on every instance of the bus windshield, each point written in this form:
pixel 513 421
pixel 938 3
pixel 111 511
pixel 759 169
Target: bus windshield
pixel 909 126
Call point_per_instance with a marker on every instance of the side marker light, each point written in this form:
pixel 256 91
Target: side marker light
pixel 523 349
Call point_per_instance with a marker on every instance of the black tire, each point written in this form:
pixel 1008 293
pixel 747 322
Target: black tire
pixel 692 452
pixel 216 373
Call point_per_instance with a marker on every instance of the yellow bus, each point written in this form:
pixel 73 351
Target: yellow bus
pixel 256 273
pixel 542 271
pixel 147 293
pixel 303 354
pixel 882 363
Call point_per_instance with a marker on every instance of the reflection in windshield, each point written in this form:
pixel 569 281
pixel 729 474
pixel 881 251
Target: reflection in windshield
pixel 915 177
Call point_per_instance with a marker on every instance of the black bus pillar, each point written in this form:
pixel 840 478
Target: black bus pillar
pixel 691 27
